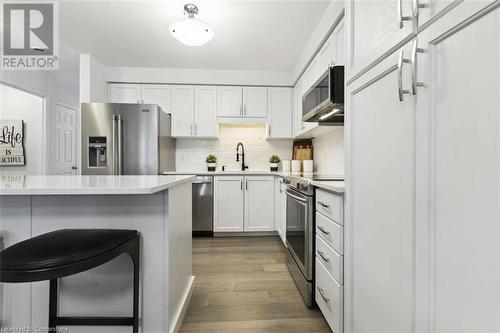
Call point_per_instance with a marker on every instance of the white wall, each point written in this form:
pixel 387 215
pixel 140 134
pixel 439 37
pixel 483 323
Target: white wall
pixel 198 76
pixel 93 84
pixel 191 154
pixel 18 104
pixel 329 152
pixel 57 87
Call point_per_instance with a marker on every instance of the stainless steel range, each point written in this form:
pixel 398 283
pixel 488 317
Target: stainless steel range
pixel 300 231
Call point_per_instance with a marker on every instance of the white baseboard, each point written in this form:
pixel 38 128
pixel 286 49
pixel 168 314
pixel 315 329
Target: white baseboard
pixel 181 311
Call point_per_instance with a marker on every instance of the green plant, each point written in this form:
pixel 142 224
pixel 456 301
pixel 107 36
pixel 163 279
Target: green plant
pixel 274 159
pixel 211 159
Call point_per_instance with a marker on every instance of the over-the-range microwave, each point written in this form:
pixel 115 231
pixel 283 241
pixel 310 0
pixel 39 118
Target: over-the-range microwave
pixel 324 101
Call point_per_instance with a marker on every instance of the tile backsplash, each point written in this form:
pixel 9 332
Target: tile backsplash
pixel 191 154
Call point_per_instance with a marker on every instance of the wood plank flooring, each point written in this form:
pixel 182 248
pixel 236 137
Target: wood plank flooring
pixel 242 285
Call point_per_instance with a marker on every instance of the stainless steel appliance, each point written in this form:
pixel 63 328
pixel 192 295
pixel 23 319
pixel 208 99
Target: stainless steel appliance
pixel 203 199
pixel 324 101
pixel 300 234
pixel 126 139
pixel 300 227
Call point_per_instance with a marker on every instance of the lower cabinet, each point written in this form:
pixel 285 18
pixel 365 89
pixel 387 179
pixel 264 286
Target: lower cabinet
pixel 280 208
pixel 243 203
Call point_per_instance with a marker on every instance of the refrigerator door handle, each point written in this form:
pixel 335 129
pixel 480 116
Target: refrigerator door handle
pixel 120 144
pixel 114 148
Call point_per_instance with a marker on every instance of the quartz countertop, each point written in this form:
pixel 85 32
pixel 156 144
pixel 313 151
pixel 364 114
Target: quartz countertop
pixel 335 185
pixel 88 185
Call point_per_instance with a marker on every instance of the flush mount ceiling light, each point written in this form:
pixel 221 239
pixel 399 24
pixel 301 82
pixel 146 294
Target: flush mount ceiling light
pixel 191 31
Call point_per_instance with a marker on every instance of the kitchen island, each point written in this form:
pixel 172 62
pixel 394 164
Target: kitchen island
pixel 159 207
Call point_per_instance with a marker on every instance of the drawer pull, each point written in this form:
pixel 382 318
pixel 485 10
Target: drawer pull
pixel 323 204
pixel 322 255
pixel 323 230
pixel 321 292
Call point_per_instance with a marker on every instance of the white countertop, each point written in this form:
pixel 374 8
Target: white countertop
pixel 88 185
pixel 335 186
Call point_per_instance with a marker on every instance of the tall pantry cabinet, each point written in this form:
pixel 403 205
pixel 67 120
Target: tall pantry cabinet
pixel 423 175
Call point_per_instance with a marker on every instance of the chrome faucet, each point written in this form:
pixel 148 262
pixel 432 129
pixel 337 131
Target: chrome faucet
pixel 243 166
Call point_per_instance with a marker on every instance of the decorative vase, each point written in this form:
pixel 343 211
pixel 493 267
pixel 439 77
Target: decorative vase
pixel 211 166
pixel 273 166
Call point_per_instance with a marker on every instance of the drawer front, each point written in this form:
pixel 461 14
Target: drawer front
pixel 331 205
pixel 329 296
pixel 331 232
pixel 331 260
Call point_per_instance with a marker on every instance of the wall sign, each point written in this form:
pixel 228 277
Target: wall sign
pixel 12 143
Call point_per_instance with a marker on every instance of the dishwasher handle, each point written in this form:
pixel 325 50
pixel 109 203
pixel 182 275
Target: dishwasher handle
pixel 203 180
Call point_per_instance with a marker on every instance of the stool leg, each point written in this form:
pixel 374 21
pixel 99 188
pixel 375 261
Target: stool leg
pixel 135 259
pixel 53 292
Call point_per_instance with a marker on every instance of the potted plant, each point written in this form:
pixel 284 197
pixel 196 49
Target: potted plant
pixel 274 162
pixel 211 162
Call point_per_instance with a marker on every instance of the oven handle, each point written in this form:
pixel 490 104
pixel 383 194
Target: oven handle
pixel 296 197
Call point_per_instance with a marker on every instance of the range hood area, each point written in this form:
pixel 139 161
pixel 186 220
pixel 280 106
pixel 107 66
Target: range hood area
pixel 324 101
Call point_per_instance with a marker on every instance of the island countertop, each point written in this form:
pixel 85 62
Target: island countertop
pixel 88 185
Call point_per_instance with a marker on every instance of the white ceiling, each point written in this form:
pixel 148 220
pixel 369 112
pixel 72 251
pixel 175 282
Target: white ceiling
pixel 252 35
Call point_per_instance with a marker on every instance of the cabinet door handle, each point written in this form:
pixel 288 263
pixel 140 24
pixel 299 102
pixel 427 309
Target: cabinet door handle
pixel 195 129
pixel 246 184
pixel 323 230
pixel 241 109
pixel 322 293
pixel 241 184
pixel 191 129
pixel 322 255
pixel 269 130
pixel 245 109
pixel 414 81
pixel 400 14
pixel 323 204
pixel 401 61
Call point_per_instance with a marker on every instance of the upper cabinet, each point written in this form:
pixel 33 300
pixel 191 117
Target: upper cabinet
pixel 229 101
pixel 194 111
pixel 255 102
pixel 374 28
pixel 124 93
pixel 247 102
pixel 157 94
pixel 280 112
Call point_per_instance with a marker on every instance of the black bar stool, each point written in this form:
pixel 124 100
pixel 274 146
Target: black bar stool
pixel 57 254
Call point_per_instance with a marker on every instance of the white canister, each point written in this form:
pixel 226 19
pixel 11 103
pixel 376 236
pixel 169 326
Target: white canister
pixel 296 164
pixel 308 166
pixel 286 165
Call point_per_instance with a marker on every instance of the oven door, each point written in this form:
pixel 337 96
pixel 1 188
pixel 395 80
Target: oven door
pixel 299 230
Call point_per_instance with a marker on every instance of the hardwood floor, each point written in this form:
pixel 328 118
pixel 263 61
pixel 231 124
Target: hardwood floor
pixel 242 285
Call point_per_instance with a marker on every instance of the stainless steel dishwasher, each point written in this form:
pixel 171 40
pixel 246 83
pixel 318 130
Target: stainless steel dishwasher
pixel 203 205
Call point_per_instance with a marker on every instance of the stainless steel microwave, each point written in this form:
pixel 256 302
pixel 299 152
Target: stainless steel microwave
pixel 324 101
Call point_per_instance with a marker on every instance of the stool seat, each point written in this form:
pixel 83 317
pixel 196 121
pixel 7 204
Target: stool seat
pixel 56 251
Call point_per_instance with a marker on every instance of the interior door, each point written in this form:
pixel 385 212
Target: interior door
pixel 379 232
pixel 67 140
pixel 255 102
pixel 229 101
pixel 458 184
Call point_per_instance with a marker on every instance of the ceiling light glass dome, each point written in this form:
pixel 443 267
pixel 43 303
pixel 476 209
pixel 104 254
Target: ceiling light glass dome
pixel 191 31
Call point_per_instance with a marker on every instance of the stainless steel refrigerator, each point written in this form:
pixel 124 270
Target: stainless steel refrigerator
pixel 126 139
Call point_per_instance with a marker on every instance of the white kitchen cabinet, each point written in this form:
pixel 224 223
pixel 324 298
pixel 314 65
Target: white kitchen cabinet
pixel 228 203
pixel 229 102
pixel 124 93
pixel 157 94
pixel 182 107
pixel 259 203
pixel 280 208
pixel 255 102
pixel 205 111
pixel 244 203
pixel 458 172
pixel 379 236
pixel 373 28
pixel 280 112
